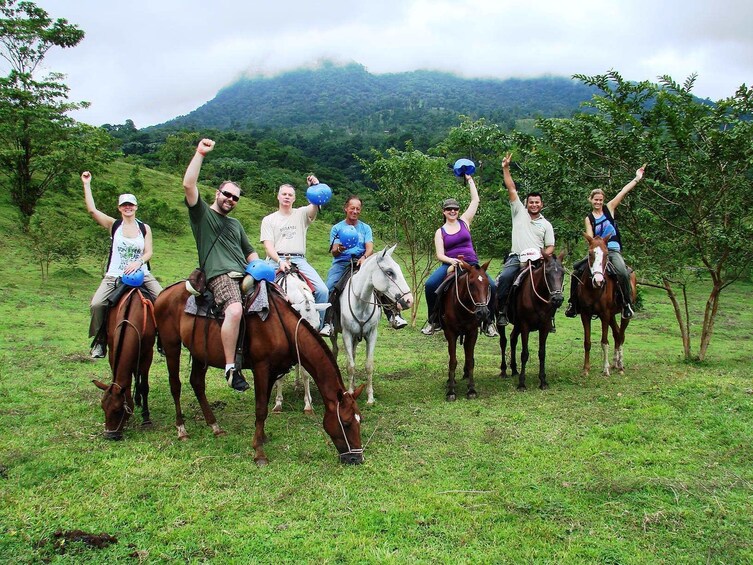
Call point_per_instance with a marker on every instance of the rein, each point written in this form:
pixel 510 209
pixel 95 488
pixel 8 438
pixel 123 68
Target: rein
pixel 546 282
pixel 476 304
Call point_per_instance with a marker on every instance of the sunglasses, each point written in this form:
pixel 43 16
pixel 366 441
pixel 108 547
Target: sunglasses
pixel 230 195
pixel 452 209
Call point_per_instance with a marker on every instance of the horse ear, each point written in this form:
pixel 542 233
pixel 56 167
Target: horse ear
pixel 485 266
pixel 606 239
pixel 100 385
pixel 391 250
pixel 561 256
pixel 589 239
pixel 358 391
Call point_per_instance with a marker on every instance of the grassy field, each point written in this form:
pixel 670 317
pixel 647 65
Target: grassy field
pixel 651 467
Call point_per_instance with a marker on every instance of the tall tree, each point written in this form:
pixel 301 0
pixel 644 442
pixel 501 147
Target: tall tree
pixel 36 149
pixel 693 213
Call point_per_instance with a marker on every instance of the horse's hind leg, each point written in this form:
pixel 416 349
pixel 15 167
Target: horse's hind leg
pixel 543 334
pixel 513 346
pixel 523 359
pixel 619 341
pixel 142 384
pixel 605 347
pixel 308 407
pixel 502 348
pixel 172 355
pixel 350 344
pixel 469 347
pixel 278 395
pixel 452 343
pixel 199 385
pixel 370 345
pixel 586 320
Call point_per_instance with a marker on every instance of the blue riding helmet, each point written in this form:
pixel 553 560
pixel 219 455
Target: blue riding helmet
pixel 319 194
pixel 260 270
pixel 134 279
pixel 464 167
pixel 348 236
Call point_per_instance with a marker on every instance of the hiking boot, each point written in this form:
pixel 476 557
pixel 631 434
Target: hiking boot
pixel 98 351
pixel 236 381
pixel 430 328
pixel 398 322
pixel 326 330
pixel 502 319
pixel 571 312
pixel 627 311
pixel 489 330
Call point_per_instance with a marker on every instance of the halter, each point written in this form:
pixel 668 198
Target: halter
pixel 351 450
pixel 546 282
pixel 476 304
pixel 605 264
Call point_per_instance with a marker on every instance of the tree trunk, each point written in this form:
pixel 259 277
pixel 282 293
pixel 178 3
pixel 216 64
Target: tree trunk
pixel 681 321
pixel 709 317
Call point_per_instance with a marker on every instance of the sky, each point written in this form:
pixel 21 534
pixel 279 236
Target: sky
pixel 153 60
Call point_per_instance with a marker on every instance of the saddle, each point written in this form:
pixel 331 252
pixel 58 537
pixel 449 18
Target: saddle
pixel 120 290
pixel 255 300
pixel 280 277
pixel 337 290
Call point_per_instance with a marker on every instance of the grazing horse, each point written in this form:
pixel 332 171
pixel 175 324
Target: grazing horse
pixel 360 311
pixel 302 299
pixel 532 308
pixel 271 348
pixel 464 306
pixel 131 329
pixel 596 299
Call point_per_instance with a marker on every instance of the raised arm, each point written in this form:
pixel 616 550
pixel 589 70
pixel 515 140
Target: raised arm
pixel 512 191
pixel 612 204
pixel 100 217
pixel 312 209
pixel 191 178
pixel 470 212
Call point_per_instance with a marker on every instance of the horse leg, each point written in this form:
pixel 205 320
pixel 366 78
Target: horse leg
pixel 469 347
pixel 618 333
pixel 452 344
pixel 278 395
pixel 605 346
pixel 308 408
pixel 523 359
pixel 370 346
pixel 513 346
pixel 142 383
pixel 502 348
pixel 543 334
pixel 199 385
pixel 586 320
pixel 350 344
pixel 172 355
pixel 261 390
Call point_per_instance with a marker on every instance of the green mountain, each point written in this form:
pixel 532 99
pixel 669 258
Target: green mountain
pixel 349 97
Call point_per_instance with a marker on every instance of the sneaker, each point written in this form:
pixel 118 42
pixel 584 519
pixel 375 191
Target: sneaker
pixel 489 330
pixel 236 381
pixel 98 351
pixel 571 312
pixel 326 330
pixel 398 322
pixel 430 328
pixel 627 311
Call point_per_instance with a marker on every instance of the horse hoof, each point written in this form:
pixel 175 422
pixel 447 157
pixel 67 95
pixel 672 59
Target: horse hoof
pixel 502 375
pixel 277 410
pixel 522 388
pixel 147 424
pixel 309 412
pixel 543 386
pixel 183 437
pixel 261 461
pixel 370 402
pixel 471 395
pixel 450 398
pixel 218 433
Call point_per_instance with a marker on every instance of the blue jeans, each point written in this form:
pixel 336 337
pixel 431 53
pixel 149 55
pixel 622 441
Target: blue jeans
pixel 435 279
pixel 335 273
pixel 321 292
pixel 506 277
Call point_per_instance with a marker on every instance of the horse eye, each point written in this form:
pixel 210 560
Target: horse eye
pixel 390 273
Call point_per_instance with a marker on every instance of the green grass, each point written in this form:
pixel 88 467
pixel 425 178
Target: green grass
pixel 652 466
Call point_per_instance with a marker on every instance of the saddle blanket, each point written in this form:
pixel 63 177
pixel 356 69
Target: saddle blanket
pixel 259 305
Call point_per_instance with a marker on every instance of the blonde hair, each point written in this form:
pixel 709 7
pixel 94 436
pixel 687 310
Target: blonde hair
pixel 594 192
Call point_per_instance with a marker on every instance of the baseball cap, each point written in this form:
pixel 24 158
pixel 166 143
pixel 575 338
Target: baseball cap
pixel 450 203
pixel 127 199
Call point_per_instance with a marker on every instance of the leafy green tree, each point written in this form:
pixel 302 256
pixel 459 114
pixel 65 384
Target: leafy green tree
pixel 53 237
pixel 692 214
pixel 411 186
pixel 39 144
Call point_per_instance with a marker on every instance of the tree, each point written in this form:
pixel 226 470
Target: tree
pixel 411 186
pixel 693 213
pixel 36 149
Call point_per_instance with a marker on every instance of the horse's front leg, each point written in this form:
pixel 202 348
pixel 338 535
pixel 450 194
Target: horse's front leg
pixel 350 344
pixel 469 348
pixel 172 354
pixel 143 394
pixel 452 343
pixel 278 394
pixel 543 335
pixel 586 321
pixel 513 346
pixel 618 333
pixel 199 385
pixel 523 359
pixel 502 348
pixel 605 346
pixel 371 339
pixel 308 407
pixel 261 393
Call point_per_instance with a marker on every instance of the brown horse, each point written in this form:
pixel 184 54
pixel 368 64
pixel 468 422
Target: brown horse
pixel 465 305
pixel 596 299
pixel 532 308
pixel 131 329
pixel 271 348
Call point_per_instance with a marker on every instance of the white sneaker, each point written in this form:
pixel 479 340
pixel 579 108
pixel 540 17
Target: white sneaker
pixel 326 330
pixel 98 351
pixel 489 330
pixel 398 322
pixel 430 329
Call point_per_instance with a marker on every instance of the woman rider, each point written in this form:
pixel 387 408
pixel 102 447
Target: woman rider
pixel 600 222
pixel 452 241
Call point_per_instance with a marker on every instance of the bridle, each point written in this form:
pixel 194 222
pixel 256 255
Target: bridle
pixel 351 450
pixel 552 293
pixel 476 304
pixel 375 303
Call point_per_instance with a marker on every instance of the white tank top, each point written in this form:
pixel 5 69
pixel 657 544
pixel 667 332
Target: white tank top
pixel 125 250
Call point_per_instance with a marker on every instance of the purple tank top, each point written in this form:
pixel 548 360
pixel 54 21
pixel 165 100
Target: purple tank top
pixel 460 243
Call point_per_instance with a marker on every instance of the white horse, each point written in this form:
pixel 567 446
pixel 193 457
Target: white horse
pixel 302 299
pixel 360 311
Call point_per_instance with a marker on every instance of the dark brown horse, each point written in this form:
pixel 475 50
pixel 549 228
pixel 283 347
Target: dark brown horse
pixel 596 299
pixel 531 309
pixel 131 330
pixel 465 305
pixel 271 347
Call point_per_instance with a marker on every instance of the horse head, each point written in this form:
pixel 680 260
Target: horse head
pixel 388 279
pixel 474 293
pixel 343 424
pixel 118 407
pixel 302 299
pixel 554 273
pixel 597 259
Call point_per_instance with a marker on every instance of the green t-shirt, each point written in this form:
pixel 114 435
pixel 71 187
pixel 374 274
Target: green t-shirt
pixel 232 248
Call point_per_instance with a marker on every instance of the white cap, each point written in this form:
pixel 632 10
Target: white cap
pixel 127 199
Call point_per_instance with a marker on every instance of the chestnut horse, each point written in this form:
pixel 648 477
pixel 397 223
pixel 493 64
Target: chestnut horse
pixel 131 329
pixel 271 348
pixel 596 299
pixel 531 309
pixel 465 305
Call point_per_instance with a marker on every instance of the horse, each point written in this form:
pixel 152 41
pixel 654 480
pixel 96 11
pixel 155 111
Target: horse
pixel 271 348
pixel 360 311
pixel 532 308
pixel 131 330
pixel 596 299
pixel 301 297
pixel 464 306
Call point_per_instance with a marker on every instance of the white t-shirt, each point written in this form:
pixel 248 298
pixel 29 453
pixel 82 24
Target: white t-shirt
pixel 288 233
pixel 125 250
pixel 528 233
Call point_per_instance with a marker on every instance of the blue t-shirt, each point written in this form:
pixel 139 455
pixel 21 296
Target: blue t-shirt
pixel 604 228
pixel 364 237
